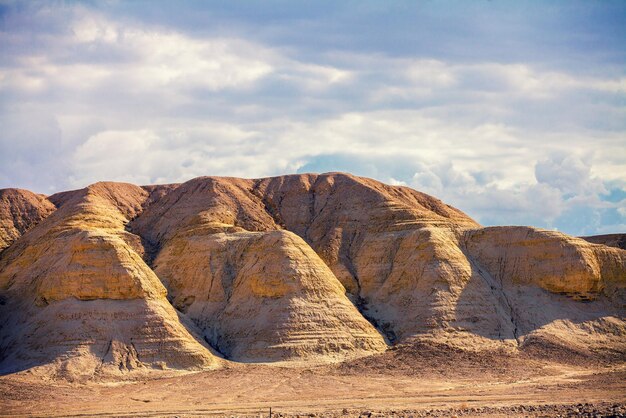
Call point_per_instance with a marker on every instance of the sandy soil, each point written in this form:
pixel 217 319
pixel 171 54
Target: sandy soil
pixel 523 387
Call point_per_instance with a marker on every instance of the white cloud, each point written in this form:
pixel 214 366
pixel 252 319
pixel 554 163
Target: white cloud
pixel 489 81
pixel 569 174
pixel 89 96
pixel 519 203
pixel 173 60
pixel 147 59
pixel 472 168
pixel 396 182
pixel 148 157
pixel 311 77
pixel 430 72
pixel 90 27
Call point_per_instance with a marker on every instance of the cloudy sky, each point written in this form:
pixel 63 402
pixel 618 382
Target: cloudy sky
pixel 514 112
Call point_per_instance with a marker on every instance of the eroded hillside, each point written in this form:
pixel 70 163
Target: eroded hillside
pixel 117 278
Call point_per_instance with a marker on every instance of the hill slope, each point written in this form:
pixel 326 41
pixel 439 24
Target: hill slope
pixel 611 240
pixel 19 210
pixel 78 300
pixel 308 267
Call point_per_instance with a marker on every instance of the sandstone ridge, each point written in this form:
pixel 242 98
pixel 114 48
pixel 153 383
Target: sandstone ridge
pixel 19 210
pixel 79 301
pixel 117 278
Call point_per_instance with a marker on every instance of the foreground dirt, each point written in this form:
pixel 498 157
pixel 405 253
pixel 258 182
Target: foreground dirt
pixel 527 388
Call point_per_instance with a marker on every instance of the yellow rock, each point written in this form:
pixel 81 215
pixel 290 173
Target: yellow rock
pixel 304 267
pixel 264 296
pixel 81 301
pixel 19 211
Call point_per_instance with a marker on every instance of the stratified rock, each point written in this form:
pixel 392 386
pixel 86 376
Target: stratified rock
pixel 549 260
pixel 555 287
pixel 610 240
pixel 408 261
pixel 301 267
pixel 336 212
pixel 80 300
pixel 19 211
pixel 208 203
pixel 263 296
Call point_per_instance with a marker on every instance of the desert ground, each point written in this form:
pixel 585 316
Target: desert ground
pixel 444 384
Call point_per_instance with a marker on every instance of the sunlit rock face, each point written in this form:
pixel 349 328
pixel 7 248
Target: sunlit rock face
pixel 79 301
pixel 19 210
pixel 117 278
pixel 264 296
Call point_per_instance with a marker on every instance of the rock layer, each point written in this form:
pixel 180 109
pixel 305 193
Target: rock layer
pixel 19 211
pixel 303 267
pixel 264 296
pixel 611 240
pixel 78 298
pixel 410 263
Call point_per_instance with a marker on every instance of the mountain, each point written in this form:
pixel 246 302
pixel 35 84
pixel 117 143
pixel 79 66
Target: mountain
pixel 612 240
pixel 19 210
pixel 298 269
pixel 78 300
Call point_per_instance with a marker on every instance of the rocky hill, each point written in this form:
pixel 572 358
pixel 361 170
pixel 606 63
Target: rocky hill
pixel 19 210
pixel 612 240
pixel 299 269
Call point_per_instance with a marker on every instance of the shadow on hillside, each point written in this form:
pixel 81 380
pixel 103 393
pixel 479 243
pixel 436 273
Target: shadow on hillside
pixel 76 340
pixel 500 309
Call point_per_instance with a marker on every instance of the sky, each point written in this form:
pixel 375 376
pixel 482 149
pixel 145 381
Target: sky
pixel 514 112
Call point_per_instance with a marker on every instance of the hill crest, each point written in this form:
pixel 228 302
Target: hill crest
pixel 297 268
